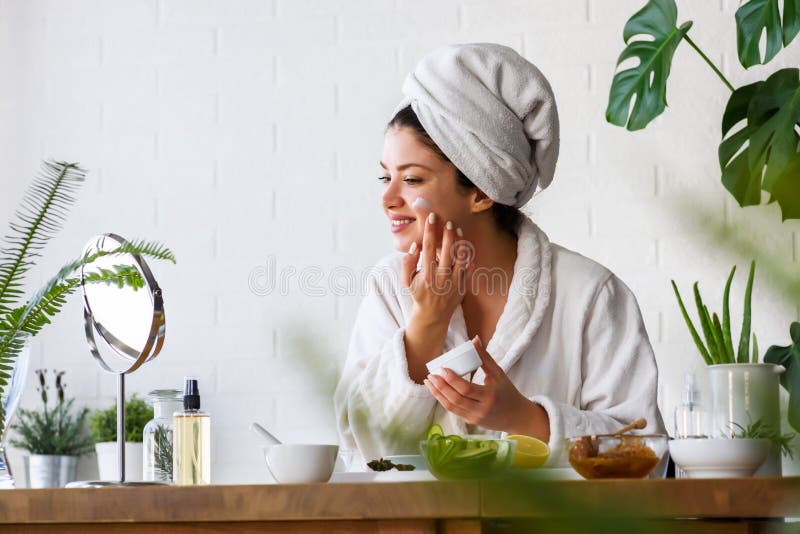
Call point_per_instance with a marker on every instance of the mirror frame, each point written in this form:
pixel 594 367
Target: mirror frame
pixel 156 334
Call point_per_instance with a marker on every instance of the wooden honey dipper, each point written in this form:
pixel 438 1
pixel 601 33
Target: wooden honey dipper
pixel 586 446
pixel 638 424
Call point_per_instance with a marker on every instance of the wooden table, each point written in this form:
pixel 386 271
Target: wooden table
pixel 734 505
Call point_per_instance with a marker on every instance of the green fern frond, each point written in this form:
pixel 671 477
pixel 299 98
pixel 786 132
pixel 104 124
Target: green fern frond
pixel 51 297
pixel 118 275
pixel 42 211
pixel 151 249
pixel 32 318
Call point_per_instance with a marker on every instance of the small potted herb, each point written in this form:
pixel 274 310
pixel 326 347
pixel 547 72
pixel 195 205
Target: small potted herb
pixel 55 436
pixel 103 426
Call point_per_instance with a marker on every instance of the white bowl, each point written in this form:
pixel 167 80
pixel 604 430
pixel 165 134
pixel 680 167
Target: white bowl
pixel 292 463
pixel 719 457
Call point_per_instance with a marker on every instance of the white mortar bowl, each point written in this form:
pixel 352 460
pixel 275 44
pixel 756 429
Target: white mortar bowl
pixel 292 463
pixel 719 457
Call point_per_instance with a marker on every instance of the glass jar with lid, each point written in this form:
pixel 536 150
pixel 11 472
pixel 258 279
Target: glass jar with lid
pixel 157 438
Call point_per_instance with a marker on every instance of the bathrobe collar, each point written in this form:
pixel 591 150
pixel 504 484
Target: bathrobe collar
pixel 528 299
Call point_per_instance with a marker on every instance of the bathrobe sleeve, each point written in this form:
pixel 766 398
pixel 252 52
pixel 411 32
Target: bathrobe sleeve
pixel 618 368
pixel 379 409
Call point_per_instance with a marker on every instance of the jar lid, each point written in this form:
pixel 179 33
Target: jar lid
pixel 165 394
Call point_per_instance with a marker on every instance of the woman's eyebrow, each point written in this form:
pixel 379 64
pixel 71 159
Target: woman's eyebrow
pixel 406 165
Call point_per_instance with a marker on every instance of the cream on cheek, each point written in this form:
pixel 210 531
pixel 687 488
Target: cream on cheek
pixel 421 203
pixel 424 205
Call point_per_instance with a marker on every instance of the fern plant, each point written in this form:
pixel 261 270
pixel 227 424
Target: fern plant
pixel 43 210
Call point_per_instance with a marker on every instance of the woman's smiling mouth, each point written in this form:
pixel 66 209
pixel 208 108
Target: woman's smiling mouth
pixel 400 222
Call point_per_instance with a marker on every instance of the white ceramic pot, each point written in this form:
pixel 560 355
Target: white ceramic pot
pixel 741 394
pixel 107 461
pixel 300 463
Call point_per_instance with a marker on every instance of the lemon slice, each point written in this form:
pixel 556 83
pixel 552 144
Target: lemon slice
pixel 531 452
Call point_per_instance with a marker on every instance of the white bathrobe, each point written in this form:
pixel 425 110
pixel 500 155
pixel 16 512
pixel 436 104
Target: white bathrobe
pixel 570 338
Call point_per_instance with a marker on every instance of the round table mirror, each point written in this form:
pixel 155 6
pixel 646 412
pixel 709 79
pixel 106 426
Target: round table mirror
pixel 124 313
pixel 124 322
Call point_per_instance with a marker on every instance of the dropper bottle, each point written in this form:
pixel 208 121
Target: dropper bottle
pixel 690 415
pixel 191 455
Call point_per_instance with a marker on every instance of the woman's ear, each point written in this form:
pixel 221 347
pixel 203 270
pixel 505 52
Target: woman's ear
pixel 480 202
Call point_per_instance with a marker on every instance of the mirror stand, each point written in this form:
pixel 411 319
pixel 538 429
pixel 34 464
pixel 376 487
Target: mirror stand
pixel 113 332
pixel 121 426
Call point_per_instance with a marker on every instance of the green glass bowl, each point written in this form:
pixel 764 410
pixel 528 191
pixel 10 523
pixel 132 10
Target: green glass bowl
pixel 463 457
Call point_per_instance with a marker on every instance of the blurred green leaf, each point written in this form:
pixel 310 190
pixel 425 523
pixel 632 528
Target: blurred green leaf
pixel 647 81
pixel 757 156
pixel 789 358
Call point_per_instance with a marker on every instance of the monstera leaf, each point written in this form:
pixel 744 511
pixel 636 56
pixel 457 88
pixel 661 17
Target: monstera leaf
pixel 789 358
pixel 647 81
pixel 756 17
pixel 764 152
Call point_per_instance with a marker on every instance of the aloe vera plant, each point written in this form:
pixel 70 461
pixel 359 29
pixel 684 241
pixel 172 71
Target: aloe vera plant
pixel 716 345
pixel 42 212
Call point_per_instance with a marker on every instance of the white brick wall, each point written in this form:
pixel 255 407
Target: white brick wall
pixel 238 131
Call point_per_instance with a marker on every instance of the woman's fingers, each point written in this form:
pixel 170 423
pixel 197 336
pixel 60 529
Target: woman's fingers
pixel 409 266
pixel 460 262
pixel 448 238
pixel 452 400
pixel 446 404
pixel 490 367
pixel 464 387
pixel 429 248
pixel 444 269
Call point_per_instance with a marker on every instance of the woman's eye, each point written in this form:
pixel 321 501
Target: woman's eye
pixel 412 180
pixel 384 179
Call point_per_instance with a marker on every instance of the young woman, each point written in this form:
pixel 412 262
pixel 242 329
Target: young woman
pixel 561 338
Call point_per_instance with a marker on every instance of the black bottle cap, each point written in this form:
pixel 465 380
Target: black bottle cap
pixel 191 394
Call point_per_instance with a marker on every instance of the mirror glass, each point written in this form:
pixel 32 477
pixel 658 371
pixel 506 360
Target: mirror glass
pixel 123 310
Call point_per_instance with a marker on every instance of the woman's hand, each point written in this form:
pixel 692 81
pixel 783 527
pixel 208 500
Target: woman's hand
pixel 437 289
pixel 496 405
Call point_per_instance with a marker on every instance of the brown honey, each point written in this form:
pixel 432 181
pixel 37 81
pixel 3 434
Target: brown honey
pixel 630 458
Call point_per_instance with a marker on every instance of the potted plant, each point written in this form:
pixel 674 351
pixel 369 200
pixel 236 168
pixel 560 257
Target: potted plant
pixel 744 391
pixel 55 437
pixel 103 427
pixel 40 216
pixel 758 154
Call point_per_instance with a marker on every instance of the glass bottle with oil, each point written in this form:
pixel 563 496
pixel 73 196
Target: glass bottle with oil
pixel 191 456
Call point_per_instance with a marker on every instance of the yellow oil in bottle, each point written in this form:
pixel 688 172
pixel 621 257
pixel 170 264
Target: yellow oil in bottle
pixel 191 456
pixel 191 438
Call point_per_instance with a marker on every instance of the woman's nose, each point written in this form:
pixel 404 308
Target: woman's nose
pixel 391 195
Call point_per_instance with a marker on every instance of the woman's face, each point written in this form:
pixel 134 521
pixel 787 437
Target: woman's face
pixel 410 170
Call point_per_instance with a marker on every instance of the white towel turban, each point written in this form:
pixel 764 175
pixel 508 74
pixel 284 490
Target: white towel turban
pixel 492 113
